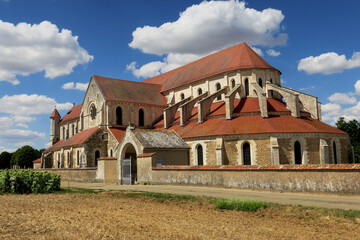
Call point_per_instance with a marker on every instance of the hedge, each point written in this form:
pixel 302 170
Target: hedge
pixel 27 181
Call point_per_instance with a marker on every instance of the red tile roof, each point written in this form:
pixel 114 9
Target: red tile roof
pixel 146 155
pixel 77 139
pixel 73 114
pixel 118 133
pixel 37 160
pixel 216 124
pixel 240 56
pixel 128 91
pixel 55 114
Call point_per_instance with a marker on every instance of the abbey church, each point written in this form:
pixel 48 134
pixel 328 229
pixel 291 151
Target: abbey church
pixel 228 108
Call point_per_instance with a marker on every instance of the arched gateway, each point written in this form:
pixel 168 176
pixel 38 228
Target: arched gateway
pixel 128 165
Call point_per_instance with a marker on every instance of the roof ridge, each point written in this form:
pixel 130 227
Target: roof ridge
pixel 116 79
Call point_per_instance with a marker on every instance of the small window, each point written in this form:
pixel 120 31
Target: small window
pixel 111 152
pixel 199 91
pixel 141 117
pixel 233 83
pixel 200 155
pixel 246 154
pixel 182 96
pixel 247 87
pixel 297 152
pixel 78 157
pixel 93 112
pixel 118 116
pixel 260 82
pixel 218 87
pixel 105 136
pixel 63 135
pixel 73 130
pixel 271 80
pixel 334 152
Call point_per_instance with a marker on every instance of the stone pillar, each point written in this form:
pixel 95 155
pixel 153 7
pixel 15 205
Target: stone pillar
pixel 219 151
pixel 324 152
pixel 275 157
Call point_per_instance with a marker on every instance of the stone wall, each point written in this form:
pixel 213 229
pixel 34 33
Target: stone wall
pixel 340 178
pixel 74 174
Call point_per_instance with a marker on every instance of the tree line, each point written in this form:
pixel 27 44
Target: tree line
pixel 21 158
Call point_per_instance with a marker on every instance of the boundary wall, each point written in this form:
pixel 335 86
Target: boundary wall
pixel 74 174
pixel 332 178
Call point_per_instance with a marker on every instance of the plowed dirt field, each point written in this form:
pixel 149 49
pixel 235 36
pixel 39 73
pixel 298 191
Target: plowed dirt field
pixel 110 216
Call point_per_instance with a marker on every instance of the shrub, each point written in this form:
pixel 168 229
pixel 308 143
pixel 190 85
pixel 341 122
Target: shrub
pixel 27 181
pixel 240 205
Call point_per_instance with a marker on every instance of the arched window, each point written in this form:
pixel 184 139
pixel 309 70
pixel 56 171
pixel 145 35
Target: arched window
pixel 63 135
pixel 297 152
pixel 218 87
pixel 233 83
pixel 199 91
pixel 246 154
pixel 270 80
pixel 69 159
pixel 73 130
pixel 334 152
pixel 260 82
pixel 118 116
pixel 97 155
pixel 200 155
pixel 141 117
pixel 182 96
pixel 247 87
pixel 78 157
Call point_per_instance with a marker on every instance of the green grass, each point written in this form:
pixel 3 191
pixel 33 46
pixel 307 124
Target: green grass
pixel 160 196
pixel 79 190
pixel 229 204
pixel 240 205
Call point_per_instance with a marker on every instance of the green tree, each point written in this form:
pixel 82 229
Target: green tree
pixel 353 129
pixel 24 156
pixel 5 158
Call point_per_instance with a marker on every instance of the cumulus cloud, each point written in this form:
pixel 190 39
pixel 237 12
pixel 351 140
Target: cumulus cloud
pixel 27 49
pixel 23 105
pixel 76 86
pixel 342 98
pixel 273 53
pixel 205 28
pixel 20 110
pixel 258 51
pixel 307 88
pixel 329 63
pixel 357 87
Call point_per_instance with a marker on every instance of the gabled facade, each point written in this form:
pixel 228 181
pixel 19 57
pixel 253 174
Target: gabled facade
pixel 229 108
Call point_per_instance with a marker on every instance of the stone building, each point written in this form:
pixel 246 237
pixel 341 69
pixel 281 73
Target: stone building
pixel 228 108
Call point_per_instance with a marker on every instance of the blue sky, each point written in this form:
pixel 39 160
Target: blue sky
pixel 50 48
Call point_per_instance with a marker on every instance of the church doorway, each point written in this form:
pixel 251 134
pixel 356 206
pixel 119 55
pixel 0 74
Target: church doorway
pixel 97 155
pixel 129 165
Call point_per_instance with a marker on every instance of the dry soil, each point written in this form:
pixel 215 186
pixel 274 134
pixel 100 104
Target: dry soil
pixel 110 216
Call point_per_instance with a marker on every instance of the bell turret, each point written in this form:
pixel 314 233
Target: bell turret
pixel 54 127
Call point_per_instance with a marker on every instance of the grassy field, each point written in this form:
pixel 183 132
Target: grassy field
pixel 94 214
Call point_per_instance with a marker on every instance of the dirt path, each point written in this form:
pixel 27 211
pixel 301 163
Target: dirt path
pixel 305 199
pixel 110 216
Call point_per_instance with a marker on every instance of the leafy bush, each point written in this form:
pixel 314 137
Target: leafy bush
pixel 240 205
pixel 26 181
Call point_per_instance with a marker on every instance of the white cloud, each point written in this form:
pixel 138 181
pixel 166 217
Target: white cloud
pixel 329 63
pixel 24 105
pixel 273 53
pixel 27 49
pixel 283 82
pixel 357 87
pixel 205 28
pixel 77 86
pixel 342 98
pixel 5 149
pixel 258 51
pixel 23 125
pixel 307 88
